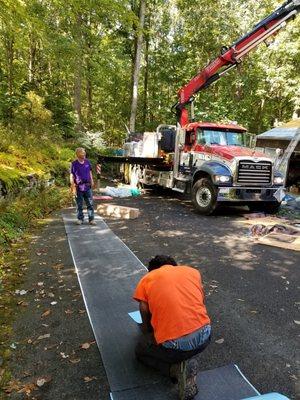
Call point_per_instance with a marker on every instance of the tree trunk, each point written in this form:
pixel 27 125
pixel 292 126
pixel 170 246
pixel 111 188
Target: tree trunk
pixel 9 44
pixel 89 95
pixel 32 54
pixel 78 76
pixel 137 65
pixel 89 87
pixel 77 94
pixel 146 76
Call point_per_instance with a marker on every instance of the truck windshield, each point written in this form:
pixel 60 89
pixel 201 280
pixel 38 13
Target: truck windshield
pixel 208 136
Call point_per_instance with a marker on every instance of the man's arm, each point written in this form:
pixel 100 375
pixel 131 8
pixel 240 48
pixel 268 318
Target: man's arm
pixel 92 179
pixel 146 317
pixel 72 184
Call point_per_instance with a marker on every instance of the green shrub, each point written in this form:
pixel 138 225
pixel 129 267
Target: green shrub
pixel 20 214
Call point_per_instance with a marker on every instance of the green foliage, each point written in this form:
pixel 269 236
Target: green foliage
pixel 67 66
pixel 32 115
pixel 21 213
pixel 17 163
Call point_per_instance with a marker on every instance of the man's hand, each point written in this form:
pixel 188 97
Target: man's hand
pixel 73 189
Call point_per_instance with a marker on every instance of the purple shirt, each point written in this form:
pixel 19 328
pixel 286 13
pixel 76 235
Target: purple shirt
pixel 82 174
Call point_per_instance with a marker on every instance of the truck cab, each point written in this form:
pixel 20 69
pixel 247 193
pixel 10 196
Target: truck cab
pixel 219 167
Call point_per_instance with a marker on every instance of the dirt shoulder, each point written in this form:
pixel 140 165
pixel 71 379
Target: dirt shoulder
pixel 54 355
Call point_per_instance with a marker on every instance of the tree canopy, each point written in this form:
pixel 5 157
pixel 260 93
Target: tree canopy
pixel 68 66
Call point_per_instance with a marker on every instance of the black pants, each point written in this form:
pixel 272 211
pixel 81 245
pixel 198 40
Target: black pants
pixel 161 358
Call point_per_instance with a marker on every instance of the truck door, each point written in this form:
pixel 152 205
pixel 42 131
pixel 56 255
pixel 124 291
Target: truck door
pixel 179 148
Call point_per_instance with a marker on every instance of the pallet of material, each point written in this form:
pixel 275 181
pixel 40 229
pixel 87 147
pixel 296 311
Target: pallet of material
pixel 289 242
pixel 115 211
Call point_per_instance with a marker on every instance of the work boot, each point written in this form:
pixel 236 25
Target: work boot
pixel 186 373
pixel 92 222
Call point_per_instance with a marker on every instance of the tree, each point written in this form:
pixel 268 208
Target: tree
pixel 137 65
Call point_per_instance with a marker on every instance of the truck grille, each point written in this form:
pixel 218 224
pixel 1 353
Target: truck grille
pixel 254 173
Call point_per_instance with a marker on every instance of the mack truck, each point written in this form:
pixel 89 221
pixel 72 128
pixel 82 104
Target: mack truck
pixel 210 160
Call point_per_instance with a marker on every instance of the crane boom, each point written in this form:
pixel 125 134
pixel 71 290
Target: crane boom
pixel 230 57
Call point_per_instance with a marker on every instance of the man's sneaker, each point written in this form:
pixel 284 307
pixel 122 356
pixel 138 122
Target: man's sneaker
pixel 92 222
pixel 79 222
pixel 186 373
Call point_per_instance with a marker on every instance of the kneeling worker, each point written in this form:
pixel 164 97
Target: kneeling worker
pixel 175 323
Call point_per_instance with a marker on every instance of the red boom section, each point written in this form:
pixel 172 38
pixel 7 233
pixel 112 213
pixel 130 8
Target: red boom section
pixel 232 56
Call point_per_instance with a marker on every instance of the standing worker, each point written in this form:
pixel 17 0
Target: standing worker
pixel 81 180
pixel 175 323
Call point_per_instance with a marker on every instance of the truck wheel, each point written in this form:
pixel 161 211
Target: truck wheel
pixel 204 196
pixel 264 206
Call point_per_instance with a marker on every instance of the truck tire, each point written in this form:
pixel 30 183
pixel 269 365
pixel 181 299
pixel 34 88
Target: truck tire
pixel 204 196
pixel 265 206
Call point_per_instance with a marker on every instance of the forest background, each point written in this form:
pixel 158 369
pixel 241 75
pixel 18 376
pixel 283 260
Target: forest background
pixel 67 69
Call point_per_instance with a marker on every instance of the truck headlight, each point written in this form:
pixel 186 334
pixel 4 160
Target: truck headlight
pixel 222 178
pixel 278 180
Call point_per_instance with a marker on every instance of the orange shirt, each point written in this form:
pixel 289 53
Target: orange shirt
pixel 176 301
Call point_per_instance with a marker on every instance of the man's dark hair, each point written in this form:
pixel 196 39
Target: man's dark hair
pixel 160 260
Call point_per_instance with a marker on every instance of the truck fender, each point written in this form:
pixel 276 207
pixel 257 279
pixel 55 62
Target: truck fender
pixel 210 168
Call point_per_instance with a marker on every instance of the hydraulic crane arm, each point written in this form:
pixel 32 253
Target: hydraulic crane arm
pixel 230 57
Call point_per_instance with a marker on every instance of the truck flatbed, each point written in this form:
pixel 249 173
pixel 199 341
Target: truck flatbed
pixel 131 160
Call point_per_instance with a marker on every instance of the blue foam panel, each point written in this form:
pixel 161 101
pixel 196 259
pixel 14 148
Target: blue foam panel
pixel 269 396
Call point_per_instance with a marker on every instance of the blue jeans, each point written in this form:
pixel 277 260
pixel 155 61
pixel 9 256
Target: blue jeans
pixel 191 341
pixel 87 196
pixel 161 358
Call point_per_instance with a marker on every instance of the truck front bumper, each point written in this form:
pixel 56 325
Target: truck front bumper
pixel 249 194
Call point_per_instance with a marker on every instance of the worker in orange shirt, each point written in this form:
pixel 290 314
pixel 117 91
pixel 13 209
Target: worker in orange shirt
pixel 175 322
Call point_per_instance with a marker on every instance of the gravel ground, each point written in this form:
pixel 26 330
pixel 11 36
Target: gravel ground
pixel 251 296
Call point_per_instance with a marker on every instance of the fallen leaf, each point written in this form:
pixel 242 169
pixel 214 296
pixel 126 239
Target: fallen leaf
pixel 219 341
pixel 47 335
pixel 46 313
pixel 58 266
pixel 21 292
pixel 64 355
pixel 51 294
pixel 68 311
pixel 297 322
pixel 23 303
pixel 12 386
pixel 74 361
pixel 27 388
pixel 40 283
pixel 241 300
pixel 53 303
pixel 254 311
pixel 85 346
pixel 82 311
pixel 42 380
pixel 89 379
